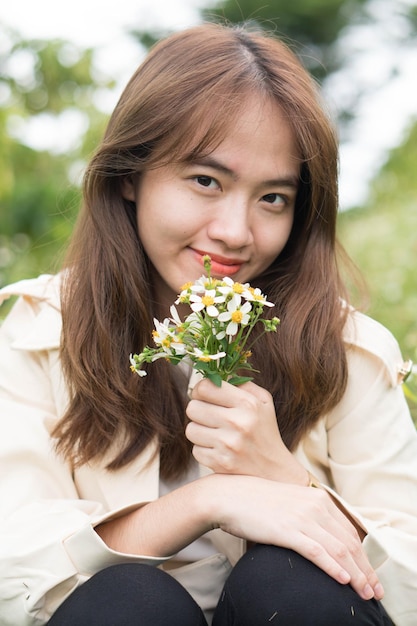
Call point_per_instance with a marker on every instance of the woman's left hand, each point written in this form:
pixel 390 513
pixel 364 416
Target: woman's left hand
pixel 234 431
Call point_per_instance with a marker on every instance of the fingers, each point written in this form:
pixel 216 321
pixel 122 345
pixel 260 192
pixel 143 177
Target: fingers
pixel 204 413
pixel 229 395
pixel 209 405
pixel 345 562
pixel 302 519
pixel 235 430
pixel 329 540
pixel 213 447
pixel 206 391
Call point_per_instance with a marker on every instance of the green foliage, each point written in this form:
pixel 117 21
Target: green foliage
pixel 382 240
pixel 38 201
pixel 38 215
pixel 46 75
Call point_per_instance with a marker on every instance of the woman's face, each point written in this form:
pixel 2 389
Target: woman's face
pixel 236 204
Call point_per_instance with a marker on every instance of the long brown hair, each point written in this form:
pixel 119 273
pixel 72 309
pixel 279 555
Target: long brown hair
pixel 178 105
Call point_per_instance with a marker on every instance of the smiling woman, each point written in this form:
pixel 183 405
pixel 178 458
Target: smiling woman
pixel 237 205
pixel 126 499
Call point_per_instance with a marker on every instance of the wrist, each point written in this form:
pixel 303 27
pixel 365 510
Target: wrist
pixel 294 473
pixel 218 495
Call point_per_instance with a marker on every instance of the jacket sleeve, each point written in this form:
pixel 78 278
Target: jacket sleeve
pixel 372 450
pixel 48 545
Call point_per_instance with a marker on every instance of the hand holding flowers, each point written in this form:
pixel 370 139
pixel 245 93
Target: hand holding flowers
pixel 214 337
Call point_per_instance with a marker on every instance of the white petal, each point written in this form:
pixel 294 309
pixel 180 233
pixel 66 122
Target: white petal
pixel 178 347
pixel 231 329
pixel 175 315
pixel 212 311
pixel 197 306
pixel 225 290
pixel 232 305
pixel 219 355
pixel 195 298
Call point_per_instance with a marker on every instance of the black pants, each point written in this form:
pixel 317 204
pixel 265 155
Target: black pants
pixel 269 585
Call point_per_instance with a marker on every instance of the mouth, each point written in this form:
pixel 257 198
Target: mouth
pixel 220 265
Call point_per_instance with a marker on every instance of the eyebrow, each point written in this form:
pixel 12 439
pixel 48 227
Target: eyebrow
pixel 209 161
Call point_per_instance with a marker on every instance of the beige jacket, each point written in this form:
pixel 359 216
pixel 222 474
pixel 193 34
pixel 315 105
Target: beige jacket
pixel 365 450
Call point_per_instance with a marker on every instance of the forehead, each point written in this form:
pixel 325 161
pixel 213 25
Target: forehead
pixel 257 118
pixel 258 138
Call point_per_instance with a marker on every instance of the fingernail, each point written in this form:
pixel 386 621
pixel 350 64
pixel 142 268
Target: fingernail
pixel 368 592
pixel 344 577
pixel 379 591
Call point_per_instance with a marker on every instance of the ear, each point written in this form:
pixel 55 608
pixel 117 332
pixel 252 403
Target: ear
pixel 128 187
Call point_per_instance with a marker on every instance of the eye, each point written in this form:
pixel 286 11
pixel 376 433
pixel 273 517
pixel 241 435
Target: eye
pixel 207 181
pixel 275 199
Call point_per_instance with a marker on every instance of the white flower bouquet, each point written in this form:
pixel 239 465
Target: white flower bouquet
pixel 214 337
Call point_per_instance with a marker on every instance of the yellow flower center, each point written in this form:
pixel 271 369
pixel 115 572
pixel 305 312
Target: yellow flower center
pixel 237 316
pixel 245 356
pixel 166 342
pixel 238 287
pixel 155 333
pixel 256 296
pixel 187 286
pixel 207 300
pixel 204 358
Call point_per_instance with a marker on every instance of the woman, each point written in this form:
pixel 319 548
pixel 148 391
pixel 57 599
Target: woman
pixel 126 502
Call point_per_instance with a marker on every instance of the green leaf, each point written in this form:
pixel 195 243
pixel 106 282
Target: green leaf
pixel 239 380
pixel 203 367
pixel 215 378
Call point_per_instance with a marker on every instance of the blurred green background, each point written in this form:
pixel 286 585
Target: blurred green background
pixel 40 187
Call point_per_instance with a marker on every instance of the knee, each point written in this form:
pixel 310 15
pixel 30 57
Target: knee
pixel 129 593
pixel 271 583
pixel 265 563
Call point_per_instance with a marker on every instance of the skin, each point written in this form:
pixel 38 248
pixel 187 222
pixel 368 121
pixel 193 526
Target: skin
pixel 236 205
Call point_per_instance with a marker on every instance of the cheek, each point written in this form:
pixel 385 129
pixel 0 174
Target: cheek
pixel 153 212
pixel 273 240
pixel 167 210
pixel 165 226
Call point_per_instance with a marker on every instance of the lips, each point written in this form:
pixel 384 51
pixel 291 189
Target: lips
pixel 220 265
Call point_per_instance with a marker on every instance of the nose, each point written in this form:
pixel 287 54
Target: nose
pixel 230 223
